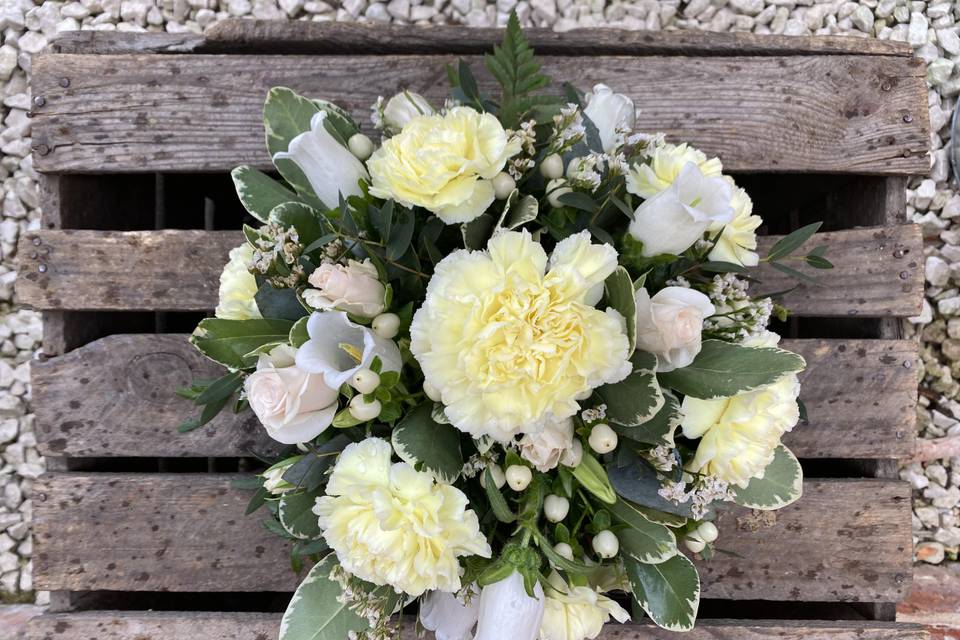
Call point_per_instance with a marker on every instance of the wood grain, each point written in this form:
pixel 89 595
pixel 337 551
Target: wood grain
pixel 114 397
pixel 822 114
pixel 188 532
pixel 143 625
pixel 878 272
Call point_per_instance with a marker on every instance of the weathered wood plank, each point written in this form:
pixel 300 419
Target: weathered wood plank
pixel 824 114
pixel 845 540
pixel 878 272
pixel 114 397
pixel 142 625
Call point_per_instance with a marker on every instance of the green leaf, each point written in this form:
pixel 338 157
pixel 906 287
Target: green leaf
pixel 558 560
pixel 722 267
pixel 222 388
pixel 297 517
pixel 634 480
pixel 796 275
pixel 592 476
pixel 642 540
pixel 315 613
pixel 660 428
pixel 518 211
pixel 286 115
pixel 278 303
pixel 257 500
pixel 818 262
pixel 259 193
pixel 420 440
pixel 637 398
pixel 308 222
pixel 781 484
pixel 724 369
pixel 298 333
pixel 579 200
pixel 669 592
pixel 498 503
pixel 403 224
pixel 229 341
pixel 618 288
pixel 788 244
pixel 477 231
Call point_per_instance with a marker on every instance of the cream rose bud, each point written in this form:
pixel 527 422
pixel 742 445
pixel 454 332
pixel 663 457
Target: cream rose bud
pixel 238 287
pixel 670 324
pixel 544 448
pixel 612 113
pixel 404 107
pixel 354 288
pixel 674 219
pixel 293 405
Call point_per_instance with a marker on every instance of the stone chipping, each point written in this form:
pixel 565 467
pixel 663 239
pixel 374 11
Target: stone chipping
pixel 932 29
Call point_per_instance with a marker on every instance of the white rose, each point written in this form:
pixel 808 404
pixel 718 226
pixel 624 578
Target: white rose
pixel 670 324
pixel 404 107
pixel 338 348
pixel 294 405
pixel 238 287
pixel 355 288
pixel 331 168
pixel 575 613
pixel 674 219
pixel 544 448
pixel 738 241
pixel 612 113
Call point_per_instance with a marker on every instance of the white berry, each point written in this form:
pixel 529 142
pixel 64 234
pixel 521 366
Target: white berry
pixel 363 410
pixel 603 439
pixel 518 477
pixel 552 167
pixel 564 550
pixel 556 188
pixel 365 381
pixel 503 185
pixel 432 392
pixel 386 325
pixel 556 508
pixel 360 146
pixel 571 457
pixel 605 544
pixel 708 532
pixel 695 545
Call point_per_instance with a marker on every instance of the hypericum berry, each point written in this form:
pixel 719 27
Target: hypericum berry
pixel 360 145
pixel 707 531
pixel 602 438
pixel 564 550
pixel 498 478
pixel 363 410
pixel 571 457
pixel 365 381
pixel 695 545
pixel 555 508
pixel 518 477
pixel 386 325
pixel 605 544
pixel 552 167
pixel 503 185
pixel 432 392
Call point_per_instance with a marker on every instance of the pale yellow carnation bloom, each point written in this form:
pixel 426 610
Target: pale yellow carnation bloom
pixel 575 613
pixel 511 341
pixel 238 287
pixel 392 525
pixel 443 163
pixel 666 161
pixel 738 242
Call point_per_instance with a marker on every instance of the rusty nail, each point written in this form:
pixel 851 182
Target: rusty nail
pixel 37 242
pixel 42 149
pixel 64 82
pixel 907 118
pixel 39 101
pixel 885 86
pixel 904 275
pixel 42 268
pixel 899 253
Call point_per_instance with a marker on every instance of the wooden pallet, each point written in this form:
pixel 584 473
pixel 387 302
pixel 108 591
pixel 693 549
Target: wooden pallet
pixel 136 133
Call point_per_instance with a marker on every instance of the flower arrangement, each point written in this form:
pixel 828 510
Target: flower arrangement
pixel 514 355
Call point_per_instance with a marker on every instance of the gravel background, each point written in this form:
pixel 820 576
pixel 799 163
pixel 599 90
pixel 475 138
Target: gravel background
pixel 932 28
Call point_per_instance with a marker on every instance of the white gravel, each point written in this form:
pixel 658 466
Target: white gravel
pixel 930 27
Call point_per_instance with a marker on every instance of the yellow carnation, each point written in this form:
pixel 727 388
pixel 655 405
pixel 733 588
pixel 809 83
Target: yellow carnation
pixel 511 341
pixel 666 161
pixel 575 613
pixel 739 434
pixel 392 525
pixel 238 287
pixel 443 163
pixel 738 242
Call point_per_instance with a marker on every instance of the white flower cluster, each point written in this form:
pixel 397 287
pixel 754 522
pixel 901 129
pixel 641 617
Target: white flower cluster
pixel 738 316
pixel 366 604
pixel 596 414
pixel 568 129
pixel 706 490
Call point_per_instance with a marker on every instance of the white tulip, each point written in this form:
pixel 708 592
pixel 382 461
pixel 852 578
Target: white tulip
pixel 551 167
pixel 386 325
pixel 360 145
pixel 555 508
pixel 506 611
pixel 602 438
pixel 338 348
pixel 669 325
pixel 605 544
pixel 673 220
pixel 612 113
pixel 519 477
pixel 708 532
pixel 564 550
pixel 329 167
pixel 365 381
pixel 363 410
pixel 448 617
pixel 404 107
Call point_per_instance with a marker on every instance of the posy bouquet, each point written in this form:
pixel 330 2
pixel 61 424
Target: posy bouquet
pixel 513 351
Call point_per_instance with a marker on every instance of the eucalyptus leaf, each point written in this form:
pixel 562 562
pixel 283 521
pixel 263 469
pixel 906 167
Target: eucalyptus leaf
pixel 637 398
pixel 297 517
pixel 781 484
pixel 402 233
pixel 421 440
pixel 634 480
pixel 669 592
pixel 278 303
pixel 790 243
pixel 579 200
pixel 229 341
pixel 259 193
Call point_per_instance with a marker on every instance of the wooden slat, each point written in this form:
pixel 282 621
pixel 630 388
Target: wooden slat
pixel 114 397
pixel 274 36
pixel 845 540
pixel 878 272
pixel 822 114
pixel 142 625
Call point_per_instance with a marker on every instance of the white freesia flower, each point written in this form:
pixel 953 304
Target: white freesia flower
pixel 670 324
pixel 354 288
pixel 666 163
pixel 612 113
pixel 674 219
pixel 392 525
pixel 293 404
pixel 329 166
pixel 404 107
pixel 738 242
pixel 447 616
pixel 238 287
pixel 338 348
pixel 544 448
pixel 506 611
pixel 576 613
